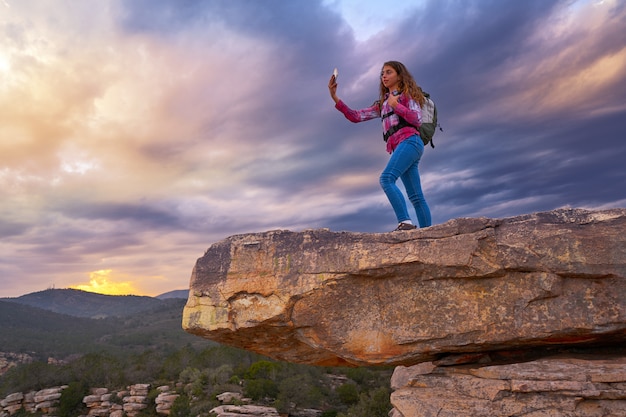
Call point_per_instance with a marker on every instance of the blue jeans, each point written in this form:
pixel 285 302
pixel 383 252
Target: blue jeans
pixel 403 165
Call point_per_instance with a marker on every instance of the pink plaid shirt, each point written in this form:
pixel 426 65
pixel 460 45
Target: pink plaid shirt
pixel 407 108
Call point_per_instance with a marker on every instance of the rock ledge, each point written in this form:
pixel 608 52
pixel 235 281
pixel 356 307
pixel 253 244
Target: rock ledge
pixel 466 287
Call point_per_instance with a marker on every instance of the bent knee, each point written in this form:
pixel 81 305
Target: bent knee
pixel 386 179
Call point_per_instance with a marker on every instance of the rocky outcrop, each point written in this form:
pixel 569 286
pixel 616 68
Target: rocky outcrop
pixel 130 403
pixel 10 359
pixel 469 285
pixel 44 401
pixel 137 400
pixel 165 400
pixel 475 300
pixel 244 411
pixel 100 402
pixel 229 410
pixel 561 385
pixel 230 397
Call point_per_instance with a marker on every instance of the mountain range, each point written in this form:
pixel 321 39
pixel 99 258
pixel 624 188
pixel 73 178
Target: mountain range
pixel 88 304
pixel 61 323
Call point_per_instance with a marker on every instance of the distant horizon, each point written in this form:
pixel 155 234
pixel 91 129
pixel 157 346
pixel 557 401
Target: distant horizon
pixel 94 292
pixel 136 134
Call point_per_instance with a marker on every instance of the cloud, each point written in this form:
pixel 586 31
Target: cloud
pixel 133 134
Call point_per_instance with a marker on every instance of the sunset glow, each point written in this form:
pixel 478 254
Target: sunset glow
pixel 109 283
pixel 136 134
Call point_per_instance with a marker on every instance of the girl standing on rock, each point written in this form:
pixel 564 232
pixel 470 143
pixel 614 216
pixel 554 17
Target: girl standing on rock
pixel 399 106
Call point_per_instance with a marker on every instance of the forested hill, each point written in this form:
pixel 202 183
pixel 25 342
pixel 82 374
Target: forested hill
pixel 87 304
pixel 41 349
pixel 46 334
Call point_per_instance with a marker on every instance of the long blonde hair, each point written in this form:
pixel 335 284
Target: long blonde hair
pixel 407 84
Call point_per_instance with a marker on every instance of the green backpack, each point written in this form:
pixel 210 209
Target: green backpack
pixel 429 120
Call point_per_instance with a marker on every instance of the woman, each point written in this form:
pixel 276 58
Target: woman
pixel 399 106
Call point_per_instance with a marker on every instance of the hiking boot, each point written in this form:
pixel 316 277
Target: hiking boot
pixel 405 226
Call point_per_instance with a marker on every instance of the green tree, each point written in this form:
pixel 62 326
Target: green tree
pixel 181 407
pixel 298 390
pixel 260 380
pixel 71 401
pixel 373 404
pixel 360 375
pixel 96 370
pixel 176 361
pixel 263 370
pixel 259 389
pixel 348 393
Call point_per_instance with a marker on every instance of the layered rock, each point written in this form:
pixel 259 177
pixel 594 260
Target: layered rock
pixel 561 385
pixel 165 400
pixel 11 359
pixel 230 397
pixel 102 403
pixel 469 285
pixel 44 401
pixel 137 400
pixel 244 411
pixel 482 317
pixel 12 403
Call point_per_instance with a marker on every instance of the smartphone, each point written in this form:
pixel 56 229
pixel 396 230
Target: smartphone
pixel 335 73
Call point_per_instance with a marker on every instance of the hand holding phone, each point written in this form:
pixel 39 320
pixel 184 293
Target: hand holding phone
pixel 332 86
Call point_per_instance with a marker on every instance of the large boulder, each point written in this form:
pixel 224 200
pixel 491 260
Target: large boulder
pixel 470 285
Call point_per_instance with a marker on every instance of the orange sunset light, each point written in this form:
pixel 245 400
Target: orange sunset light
pixel 106 282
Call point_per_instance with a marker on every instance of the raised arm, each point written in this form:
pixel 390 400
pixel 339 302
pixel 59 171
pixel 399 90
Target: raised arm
pixel 354 116
pixel 332 88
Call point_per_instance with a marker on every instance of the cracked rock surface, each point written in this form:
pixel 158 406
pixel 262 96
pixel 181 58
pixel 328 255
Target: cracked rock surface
pixel 457 290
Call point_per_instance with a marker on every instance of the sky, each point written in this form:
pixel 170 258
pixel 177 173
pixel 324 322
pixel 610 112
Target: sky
pixel 136 133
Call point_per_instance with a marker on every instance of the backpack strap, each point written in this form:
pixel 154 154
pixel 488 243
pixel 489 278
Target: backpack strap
pixel 393 129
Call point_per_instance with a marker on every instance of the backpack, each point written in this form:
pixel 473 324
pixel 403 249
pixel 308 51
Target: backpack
pixel 429 122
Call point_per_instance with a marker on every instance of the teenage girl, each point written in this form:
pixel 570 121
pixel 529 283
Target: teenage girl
pixel 401 115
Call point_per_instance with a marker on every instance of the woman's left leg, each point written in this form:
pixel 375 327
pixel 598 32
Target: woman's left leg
pixel 401 159
pixel 412 183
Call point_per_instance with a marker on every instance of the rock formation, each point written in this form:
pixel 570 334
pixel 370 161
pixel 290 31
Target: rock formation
pixel 10 359
pixel 44 401
pixel 469 285
pixel 572 385
pixel 130 403
pixel 102 403
pixel 165 400
pixel 471 290
pixel 244 411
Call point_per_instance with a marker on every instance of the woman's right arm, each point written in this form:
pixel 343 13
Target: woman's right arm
pixel 354 116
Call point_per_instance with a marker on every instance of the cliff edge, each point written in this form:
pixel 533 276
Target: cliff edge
pixel 481 317
pixel 468 286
